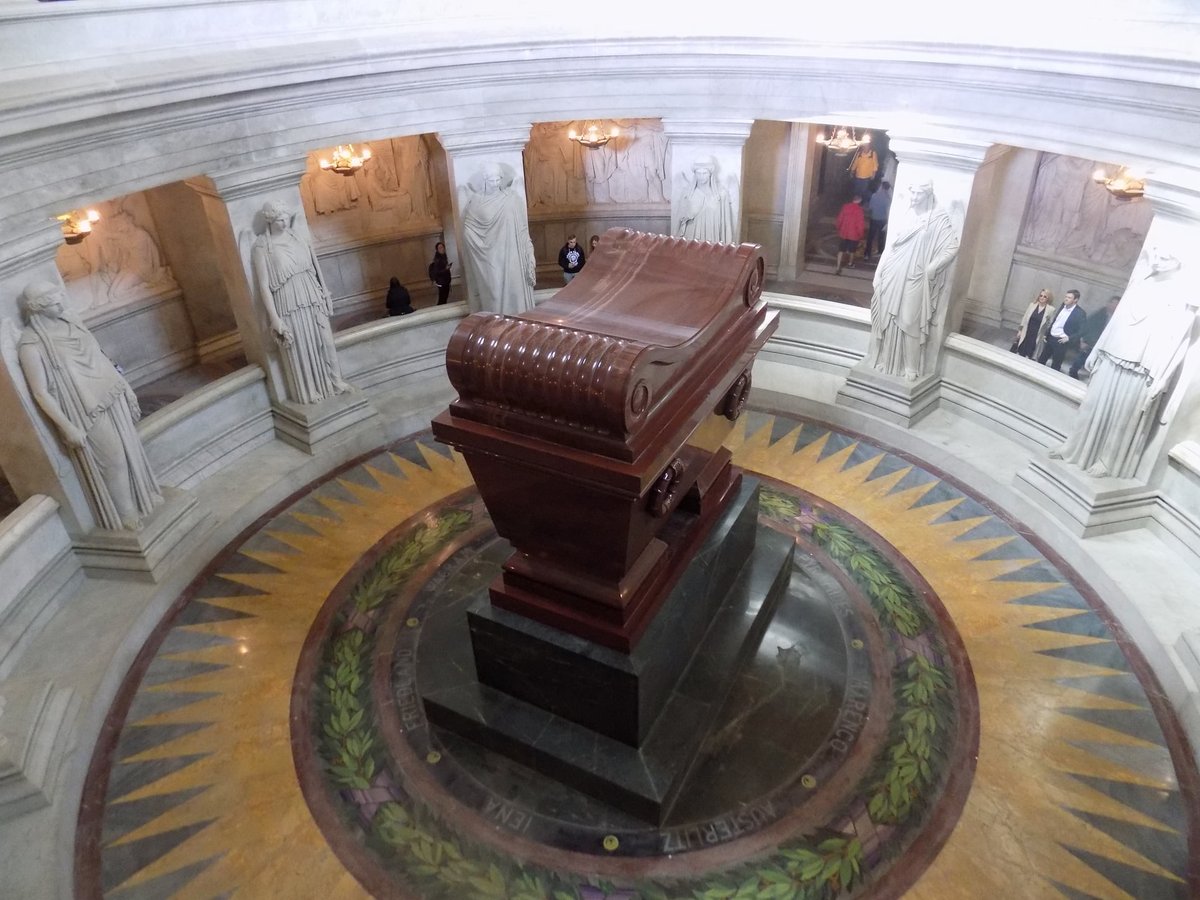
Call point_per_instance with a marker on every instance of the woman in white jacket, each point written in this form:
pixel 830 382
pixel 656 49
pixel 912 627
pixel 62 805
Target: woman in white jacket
pixel 1035 324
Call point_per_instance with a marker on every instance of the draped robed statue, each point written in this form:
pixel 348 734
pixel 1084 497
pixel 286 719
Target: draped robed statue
pixel 705 209
pixel 496 244
pixel 298 307
pixel 91 406
pixel 910 284
pixel 1133 365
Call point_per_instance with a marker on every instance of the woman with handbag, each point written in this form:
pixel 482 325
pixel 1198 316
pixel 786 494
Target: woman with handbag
pixel 1034 325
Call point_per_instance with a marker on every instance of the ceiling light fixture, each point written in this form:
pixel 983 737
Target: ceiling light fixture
pixel 844 140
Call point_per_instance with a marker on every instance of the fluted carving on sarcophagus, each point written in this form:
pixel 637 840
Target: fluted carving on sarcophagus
pixel 569 377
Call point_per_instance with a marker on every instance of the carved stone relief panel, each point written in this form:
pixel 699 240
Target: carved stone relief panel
pixel 120 262
pixel 630 169
pixel 393 192
pixel 1075 218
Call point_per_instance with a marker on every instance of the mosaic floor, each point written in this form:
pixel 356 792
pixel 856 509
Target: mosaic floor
pixel 936 708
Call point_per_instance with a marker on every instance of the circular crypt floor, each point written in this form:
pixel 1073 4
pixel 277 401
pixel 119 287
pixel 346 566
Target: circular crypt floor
pixel 935 708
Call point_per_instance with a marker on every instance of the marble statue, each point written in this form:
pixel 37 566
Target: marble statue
pixel 496 244
pixel 131 264
pixel 90 405
pixel 298 307
pixel 705 210
pixel 1132 366
pixel 910 282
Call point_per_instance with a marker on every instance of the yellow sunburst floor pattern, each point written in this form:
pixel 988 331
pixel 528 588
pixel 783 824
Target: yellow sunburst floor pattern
pixel 1083 786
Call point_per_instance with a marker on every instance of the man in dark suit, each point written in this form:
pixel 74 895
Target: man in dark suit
pixel 1064 332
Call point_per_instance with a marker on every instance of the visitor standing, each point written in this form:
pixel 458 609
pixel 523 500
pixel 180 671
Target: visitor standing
pixel 439 272
pixel 878 208
pixel 1064 332
pixel 863 167
pixel 1031 335
pixel 851 226
pixel 571 259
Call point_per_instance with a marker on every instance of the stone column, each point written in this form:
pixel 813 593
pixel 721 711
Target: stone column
pixel 801 166
pixel 1005 181
pixel 467 156
pixel 704 210
pixel 949 168
pixel 1089 505
pixel 35 459
pixel 233 207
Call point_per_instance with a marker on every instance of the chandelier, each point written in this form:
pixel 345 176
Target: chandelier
pixel 843 141
pixel 346 160
pixel 1124 185
pixel 77 224
pixel 593 135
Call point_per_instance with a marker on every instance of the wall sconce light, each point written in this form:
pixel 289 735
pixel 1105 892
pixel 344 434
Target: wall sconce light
pixel 593 135
pixel 1124 185
pixel 77 224
pixel 346 160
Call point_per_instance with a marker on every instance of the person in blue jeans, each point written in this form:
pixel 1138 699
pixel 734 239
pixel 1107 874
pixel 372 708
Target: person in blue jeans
pixel 877 214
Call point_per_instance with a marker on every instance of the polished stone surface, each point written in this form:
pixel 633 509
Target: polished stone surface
pixel 678 679
pixel 217 773
pixel 617 694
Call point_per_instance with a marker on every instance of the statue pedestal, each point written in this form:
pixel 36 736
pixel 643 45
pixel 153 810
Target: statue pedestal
pixel 307 425
pixel 888 397
pixel 148 552
pixel 1087 506
pixel 624 728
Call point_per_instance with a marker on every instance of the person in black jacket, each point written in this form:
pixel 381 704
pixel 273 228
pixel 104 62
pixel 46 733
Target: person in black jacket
pixel 571 259
pixel 1064 332
pixel 439 272
pixel 399 303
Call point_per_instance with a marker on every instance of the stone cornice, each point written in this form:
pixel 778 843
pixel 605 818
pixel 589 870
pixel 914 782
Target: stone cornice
pixel 718 132
pixel 261 178
pixel 1175 201
pixel 485 142
pixel 938 151
pixel 30 248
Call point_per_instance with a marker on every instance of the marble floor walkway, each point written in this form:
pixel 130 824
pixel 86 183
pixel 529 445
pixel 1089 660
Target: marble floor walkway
pixel 975 724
